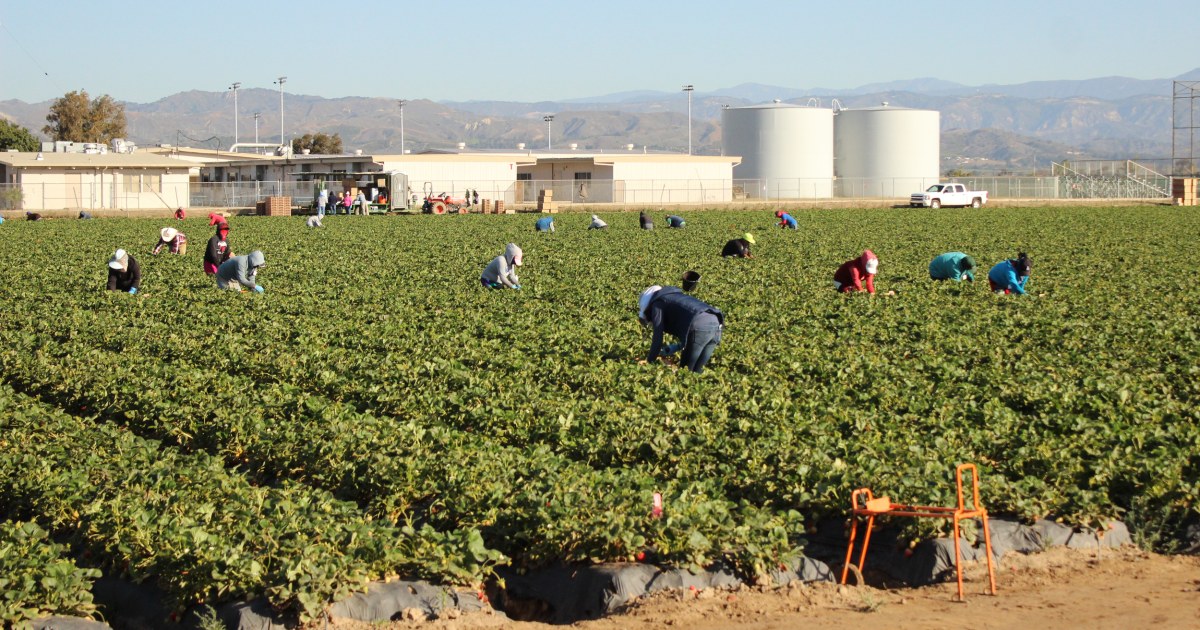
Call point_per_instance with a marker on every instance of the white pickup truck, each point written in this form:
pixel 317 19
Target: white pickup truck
pixel 948 195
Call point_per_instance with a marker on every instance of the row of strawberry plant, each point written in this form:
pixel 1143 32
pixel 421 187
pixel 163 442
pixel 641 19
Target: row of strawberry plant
pixel 590 418
pixel 534 505
pixel 38 577
pixel 199 531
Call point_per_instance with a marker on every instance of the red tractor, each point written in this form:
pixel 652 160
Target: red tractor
pixel 440 204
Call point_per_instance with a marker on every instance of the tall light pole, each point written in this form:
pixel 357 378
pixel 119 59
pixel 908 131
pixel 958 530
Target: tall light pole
pixel 235 87
pixel 549 119
pixel 280 81
pixel 256 117
pixel 688 88
pixel 401 102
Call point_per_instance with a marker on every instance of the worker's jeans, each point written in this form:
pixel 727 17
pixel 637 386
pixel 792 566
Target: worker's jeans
pixel 703 337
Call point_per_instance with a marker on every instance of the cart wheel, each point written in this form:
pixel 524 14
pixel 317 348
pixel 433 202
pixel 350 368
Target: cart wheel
pixel 439 207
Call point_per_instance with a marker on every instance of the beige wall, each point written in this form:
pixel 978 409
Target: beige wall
pixel 103 189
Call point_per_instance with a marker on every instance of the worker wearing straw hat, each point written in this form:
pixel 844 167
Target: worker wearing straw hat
pixel 171 238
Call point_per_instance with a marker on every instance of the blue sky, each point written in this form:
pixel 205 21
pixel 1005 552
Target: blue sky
pixel 532 50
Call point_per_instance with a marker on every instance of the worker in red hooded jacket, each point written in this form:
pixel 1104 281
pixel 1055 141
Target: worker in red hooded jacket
pixel 857 272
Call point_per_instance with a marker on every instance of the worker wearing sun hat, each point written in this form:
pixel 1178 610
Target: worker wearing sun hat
pixel 739 247
pixel 501 273
pixel 786 220
pixel 597 223
pixel 696 324
pixel 952 266
pixel 173 239
pixel 124 273
pixel 857 274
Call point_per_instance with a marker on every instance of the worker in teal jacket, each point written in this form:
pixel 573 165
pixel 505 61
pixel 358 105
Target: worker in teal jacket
pixel 953 266
pixel 1010 276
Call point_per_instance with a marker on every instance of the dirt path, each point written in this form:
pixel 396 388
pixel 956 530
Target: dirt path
pixel 1060 588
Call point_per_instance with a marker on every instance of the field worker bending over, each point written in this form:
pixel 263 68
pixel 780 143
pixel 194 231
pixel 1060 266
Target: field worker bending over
pixel 739 247
pixel 180 213
pixel 597 223
pixel 857 272
pixel 644 220
pixel 696 324
pixel 501 273
pixel 313 221
pixel 675 221
pixel 216 219
pixel 953 266
pixel 218 249
pixel 1010 276
pixel 786 221
pixel 84 214
pixel 174 240
pixel 124 273
pixel 241 271
pixel 544 224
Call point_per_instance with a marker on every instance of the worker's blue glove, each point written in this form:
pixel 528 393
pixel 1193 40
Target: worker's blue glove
pixel 516 286
pixel 258 288
pixel 133 291
pixel 671 348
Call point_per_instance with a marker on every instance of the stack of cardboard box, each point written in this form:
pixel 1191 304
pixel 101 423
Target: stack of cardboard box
pixel 1184 191
pixel 546 201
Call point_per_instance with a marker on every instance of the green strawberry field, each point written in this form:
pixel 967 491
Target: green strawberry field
pixel 376 412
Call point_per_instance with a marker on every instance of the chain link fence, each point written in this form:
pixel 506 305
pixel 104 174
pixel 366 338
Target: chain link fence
pixel 1109 181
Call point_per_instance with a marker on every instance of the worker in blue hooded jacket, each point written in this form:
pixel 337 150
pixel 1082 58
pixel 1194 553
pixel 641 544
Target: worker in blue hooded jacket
pixel 1010 276
pixel 696 324
pixel 952 266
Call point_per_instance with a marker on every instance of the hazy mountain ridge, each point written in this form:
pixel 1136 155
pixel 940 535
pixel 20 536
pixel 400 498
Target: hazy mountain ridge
pixel 1015 127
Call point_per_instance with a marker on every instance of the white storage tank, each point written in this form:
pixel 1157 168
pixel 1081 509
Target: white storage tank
pixel 786 150
pixel 886 151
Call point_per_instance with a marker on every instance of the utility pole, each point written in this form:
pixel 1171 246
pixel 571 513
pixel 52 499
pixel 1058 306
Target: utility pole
pixel 280 81
pixel 256 117
pixel 688 88
pixel 549 119
pixel 401 103
pixel 235 87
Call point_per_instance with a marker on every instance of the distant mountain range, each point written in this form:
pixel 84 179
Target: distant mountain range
pixel 988 128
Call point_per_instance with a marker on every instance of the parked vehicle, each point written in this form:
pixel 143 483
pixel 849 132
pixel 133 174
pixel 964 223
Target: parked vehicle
pixel 949 195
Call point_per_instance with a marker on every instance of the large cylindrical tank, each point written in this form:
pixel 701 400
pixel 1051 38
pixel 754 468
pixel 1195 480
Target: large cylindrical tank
pixel 886 151
pixel 786 150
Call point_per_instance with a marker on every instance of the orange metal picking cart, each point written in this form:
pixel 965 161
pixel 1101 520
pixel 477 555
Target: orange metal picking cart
pixel 881 506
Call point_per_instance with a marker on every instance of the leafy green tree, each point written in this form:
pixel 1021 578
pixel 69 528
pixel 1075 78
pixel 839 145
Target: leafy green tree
pixel 14 137
pixel 319 143
pixel 75 118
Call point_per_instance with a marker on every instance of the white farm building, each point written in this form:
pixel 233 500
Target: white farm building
pixel 92 181
pixel 514 177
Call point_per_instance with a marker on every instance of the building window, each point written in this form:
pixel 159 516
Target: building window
pixel 524 177
pixel 579 176
pixel 142 183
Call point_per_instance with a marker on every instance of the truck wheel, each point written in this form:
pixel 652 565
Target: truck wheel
pixel 975 203
pixel 935 204
pixel 439 207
